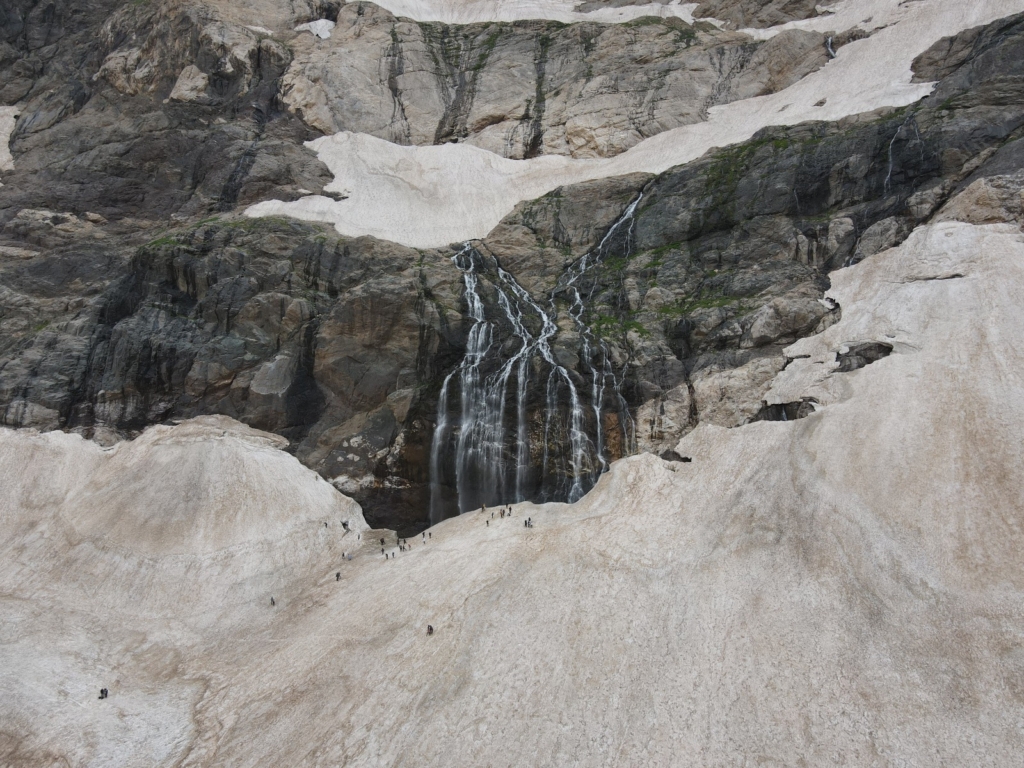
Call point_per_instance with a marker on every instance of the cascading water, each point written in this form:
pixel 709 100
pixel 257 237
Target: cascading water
pixel 577 309
pixel 481 454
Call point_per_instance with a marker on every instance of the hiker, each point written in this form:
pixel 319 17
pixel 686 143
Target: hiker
pixel 103 693
pixel 488 523
pixel 430 535
pixel 430 629
pixel 272 603
pixel 325 523
pixel 337 576
pixel 382 541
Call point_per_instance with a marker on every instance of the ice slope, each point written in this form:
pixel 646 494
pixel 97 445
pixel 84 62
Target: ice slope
pixel 435 195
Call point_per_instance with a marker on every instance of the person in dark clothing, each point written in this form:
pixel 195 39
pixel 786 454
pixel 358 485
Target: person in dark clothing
pixel 382 541
pixel 430 629
pixel 337 576
pixel 104 693
pixel 272 603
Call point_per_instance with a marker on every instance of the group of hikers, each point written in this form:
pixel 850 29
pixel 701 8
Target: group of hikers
pixel 505 511
pixel 403 545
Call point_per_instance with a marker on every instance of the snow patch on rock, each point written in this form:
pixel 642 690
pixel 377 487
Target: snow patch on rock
pixel 8 119
pixel 565 11
pixel 320 28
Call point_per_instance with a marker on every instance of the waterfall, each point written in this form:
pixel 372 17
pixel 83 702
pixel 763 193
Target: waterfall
pixel 577 309
pixel 489 455
pixel 436 446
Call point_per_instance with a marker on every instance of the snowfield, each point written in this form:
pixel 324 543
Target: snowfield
pixel 846 584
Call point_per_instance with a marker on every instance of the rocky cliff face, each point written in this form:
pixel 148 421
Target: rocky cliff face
pixel 758 13
pixel 529 88
pixel 132 292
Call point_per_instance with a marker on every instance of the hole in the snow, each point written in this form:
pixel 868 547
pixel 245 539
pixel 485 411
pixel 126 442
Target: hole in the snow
pixel 786 411
pixel 671 455
pixel 859 355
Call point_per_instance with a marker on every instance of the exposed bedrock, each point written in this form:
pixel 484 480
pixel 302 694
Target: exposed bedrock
pixel 146 111
pixel 758 13
pixel 343 345
pixel 533 87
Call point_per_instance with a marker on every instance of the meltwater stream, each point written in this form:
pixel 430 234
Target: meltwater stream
pixel 482 450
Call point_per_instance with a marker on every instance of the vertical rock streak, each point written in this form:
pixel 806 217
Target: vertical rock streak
pixel 492 463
